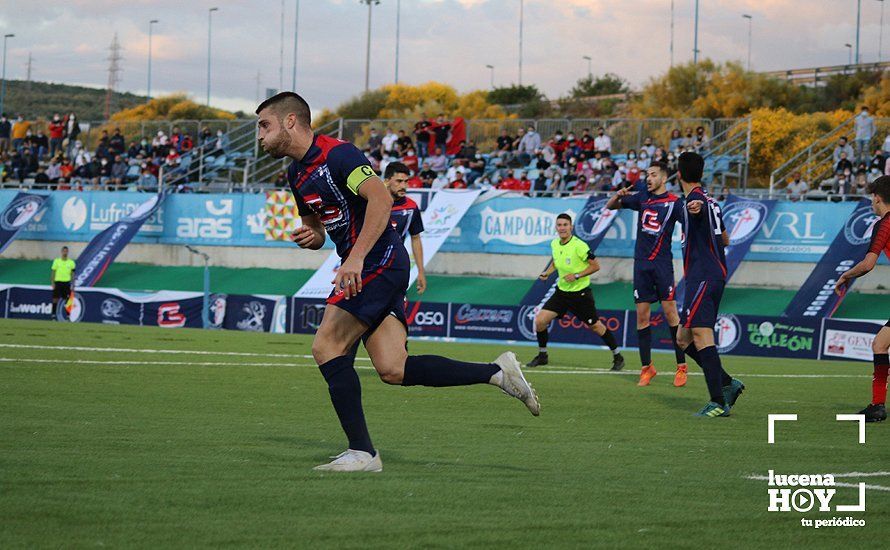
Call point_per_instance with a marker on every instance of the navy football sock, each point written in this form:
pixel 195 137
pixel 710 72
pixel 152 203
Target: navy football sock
pixel 436 371
pixel 678 351
pixel 691 352
pixel 610 341
pixel 710 364
pixel 346 396
pixel 644 335
pixel 543 337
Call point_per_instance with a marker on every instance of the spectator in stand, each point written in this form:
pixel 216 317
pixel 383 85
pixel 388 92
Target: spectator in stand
pixel 403 143
pixel 555 184
pixel 842 147
pixel 220 144
pixel 559 145
pixel 643 162
pixel 442 129
pixel 467 151
pixel 529 144
pixel 648 147
pixel 116 145
pixel 422 136
pixel 701 138
pixel 414 182
pixel 587 141
pixel 6 133
pixel 505 146
pixel 72 131
pixel 17 167
pixel 426 172
pixel 205 138
pixel 573 146
pixel 56 135
pixel 457 167
pixel 843 164
pixel 147 180
pixel 441 181
pixel 102 151
pixel 410 159
pixel 438 161
pixel 187 144
pixel 66 170
pixel 797 188
pixel 41 178
pixel 476 168
pixel 659 156
pixel 878 161
pixel 602 142
pixel 525 184
pixel 104 173
pixel 281 180
pixel 700 145
pixel 865 131
pixel 508 182
pixel 40 144
pixel 20 129
pixel 458 182
pixel 118 173
pixel 54 170
pixel 375 140
pixel 388 141
pixel 176 137
pixel 160 140
pixel 688 140
pixel 676 141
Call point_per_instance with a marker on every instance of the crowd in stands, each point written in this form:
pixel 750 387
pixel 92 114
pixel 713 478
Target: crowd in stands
pixel 51 154
pixel 853 166
pixel 563 164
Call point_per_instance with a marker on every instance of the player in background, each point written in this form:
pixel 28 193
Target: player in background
pixel 880 241
pixel 339 195
pixel 704 264
pixel 575 263
pixel 654 262
pixel 405 217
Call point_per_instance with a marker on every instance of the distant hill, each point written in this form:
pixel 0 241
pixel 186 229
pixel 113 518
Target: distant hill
pixel 44 98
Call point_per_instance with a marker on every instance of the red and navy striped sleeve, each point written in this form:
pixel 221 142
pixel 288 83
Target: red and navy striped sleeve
pixel 880 236
pixel 349 166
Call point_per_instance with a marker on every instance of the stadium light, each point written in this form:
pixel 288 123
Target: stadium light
pixel 296 34
pixel 209 31
pixel 370 4
pixel 205 310
pixel 695 39
pixel 850 51
pixel 589 71
pixel 3 77
pixel 150 24
pixel 881 33
pixel 521 21
pixel 749 18
pixel 672 33
pixel 491 68
pixel 398 31
pixel 858 24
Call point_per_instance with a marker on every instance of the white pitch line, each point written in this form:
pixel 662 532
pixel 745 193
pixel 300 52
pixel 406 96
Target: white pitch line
pixel 233 364
pixel 850 485
pixel 163 351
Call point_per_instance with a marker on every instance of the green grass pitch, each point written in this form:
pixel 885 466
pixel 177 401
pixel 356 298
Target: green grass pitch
pixel 119 448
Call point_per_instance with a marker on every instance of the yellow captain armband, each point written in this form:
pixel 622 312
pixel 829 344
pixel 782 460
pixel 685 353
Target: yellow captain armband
pixel 358 177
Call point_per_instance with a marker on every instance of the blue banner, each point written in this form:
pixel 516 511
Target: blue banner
pixel 23 208
pixel 744 218
pixel 817 298
pixel 591 225
pixel 105 247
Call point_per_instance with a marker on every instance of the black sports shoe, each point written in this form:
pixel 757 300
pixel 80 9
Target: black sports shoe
pixel 617 362
pixel 874 413
pixel 540 359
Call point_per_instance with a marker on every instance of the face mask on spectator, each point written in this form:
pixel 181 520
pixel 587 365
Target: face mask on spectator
pixel 632 156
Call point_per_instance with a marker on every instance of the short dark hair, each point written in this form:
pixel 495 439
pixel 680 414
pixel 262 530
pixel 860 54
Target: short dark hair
pixel 691 167
pixel 661 166
pixel 394 168
pixel 564 216
pixel 64 248
pixel 284 103
pixel 881 188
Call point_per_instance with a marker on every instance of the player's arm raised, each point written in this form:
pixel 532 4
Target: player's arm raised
pixel 858 270
pixel 615 200
pixel 349 276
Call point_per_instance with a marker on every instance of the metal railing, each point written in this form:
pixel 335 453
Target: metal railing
pixel 814 161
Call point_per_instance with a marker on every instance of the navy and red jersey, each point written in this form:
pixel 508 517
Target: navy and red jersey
pixel 655 224
pixel 405 218
pixel 325 182
pixel 703 255
pixel 880 236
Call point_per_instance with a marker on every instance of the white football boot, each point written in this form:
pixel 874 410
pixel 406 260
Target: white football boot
pixel 352 460
pixel 514 384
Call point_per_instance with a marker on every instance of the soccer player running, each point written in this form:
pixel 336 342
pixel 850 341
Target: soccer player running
pixel 704 264
pixel 575 263
pixel 653 262
pixel 880 241
pixel 405 216
pixel 339 195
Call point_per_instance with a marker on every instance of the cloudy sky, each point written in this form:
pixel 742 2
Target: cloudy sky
pixel 445 40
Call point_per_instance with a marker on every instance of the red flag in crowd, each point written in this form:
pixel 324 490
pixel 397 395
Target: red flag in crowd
pixel 457 134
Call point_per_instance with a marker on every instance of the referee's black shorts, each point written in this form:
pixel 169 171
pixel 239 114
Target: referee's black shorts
pixel 62 290
pixel 580 303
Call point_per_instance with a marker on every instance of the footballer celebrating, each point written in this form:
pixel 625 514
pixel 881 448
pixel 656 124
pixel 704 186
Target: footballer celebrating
pixel 880 241
pixel 574 263
pixel 653 281
pixel 405 216
pixel 339 195
pixel 704 265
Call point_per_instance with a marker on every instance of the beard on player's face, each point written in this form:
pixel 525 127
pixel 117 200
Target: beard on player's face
pixel 278 145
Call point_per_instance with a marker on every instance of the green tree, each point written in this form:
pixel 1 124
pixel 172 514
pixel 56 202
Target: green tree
pixel 606 84
pixel 515 95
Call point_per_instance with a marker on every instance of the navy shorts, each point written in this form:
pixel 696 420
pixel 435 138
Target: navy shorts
pixel 701 302
pixel 653 281
pixel 384 285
